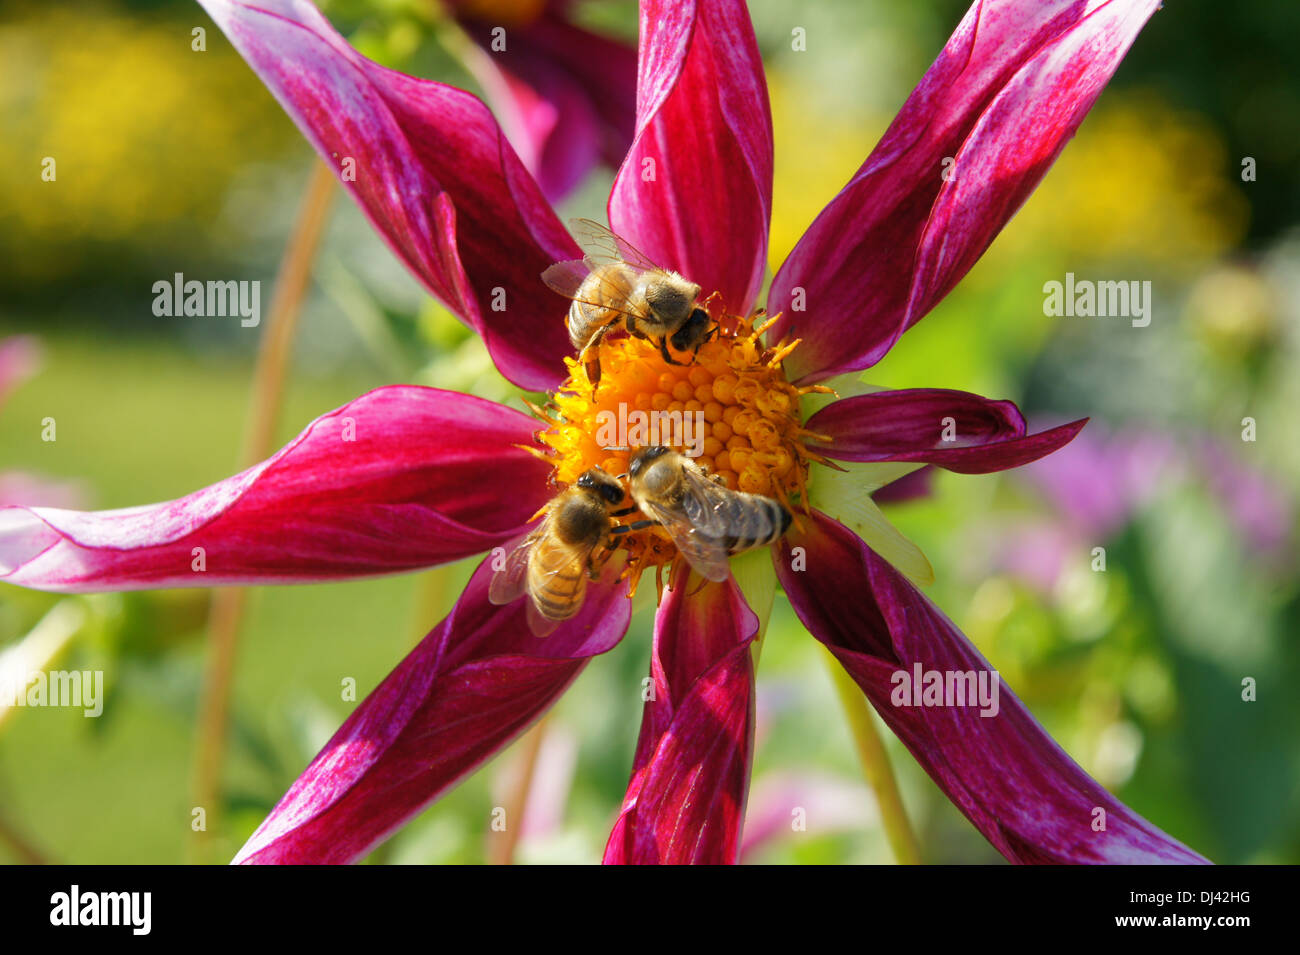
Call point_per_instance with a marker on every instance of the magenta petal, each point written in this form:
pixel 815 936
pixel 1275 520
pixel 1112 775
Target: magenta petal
pixel 567 97
pixel 910 487
pixel 471 686
pixel 1008 91
pixel 952 429
pixel 1014 783
pixel 685 802
pixel 434 174
pixel 401 478
pixel 695 192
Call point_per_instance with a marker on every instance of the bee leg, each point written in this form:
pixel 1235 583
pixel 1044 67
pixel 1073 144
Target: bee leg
pixel 590 361
pixel 624 512
pixel 663 350
pixel 638 526
pixel 589 358
pixel 592 572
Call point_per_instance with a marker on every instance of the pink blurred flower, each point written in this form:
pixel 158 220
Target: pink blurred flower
pixel 566 96
pixel 784 805
pixel 20 357
pixel 1097 485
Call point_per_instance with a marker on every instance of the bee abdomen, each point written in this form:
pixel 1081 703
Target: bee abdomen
pixel 559 595
pixel 759 521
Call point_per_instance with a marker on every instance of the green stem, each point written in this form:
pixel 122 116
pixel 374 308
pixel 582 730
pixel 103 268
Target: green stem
pixel 502 845
pixel 40 649
pixel 228 604
pixel 875 765
pixel 27 853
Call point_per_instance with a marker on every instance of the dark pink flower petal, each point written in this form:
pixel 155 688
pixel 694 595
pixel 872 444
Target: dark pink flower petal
pixel 566 96
pixel 401 478
pixel 685 802
pixel 910 487
pixel 976 136
pixel 434 174
pixel 1014 783
pixel 695 192
pixel 952 429
pixel 477 681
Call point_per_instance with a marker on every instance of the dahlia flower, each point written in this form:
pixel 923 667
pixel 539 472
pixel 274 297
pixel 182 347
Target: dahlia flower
pixel 406 477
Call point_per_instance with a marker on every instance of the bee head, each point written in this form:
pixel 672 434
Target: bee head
pixel 602 484
pixel 644 458
pixel 694 330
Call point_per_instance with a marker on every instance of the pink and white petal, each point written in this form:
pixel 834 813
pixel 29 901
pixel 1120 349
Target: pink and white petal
pixel 1010 779
pixel 685 802
pixel 968 147
pixel 695 191
pixel 477 681
pixel 401 478
pixel 433 173
pixel 951 429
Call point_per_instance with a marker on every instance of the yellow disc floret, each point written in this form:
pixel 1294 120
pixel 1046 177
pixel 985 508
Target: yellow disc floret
pixel 730 409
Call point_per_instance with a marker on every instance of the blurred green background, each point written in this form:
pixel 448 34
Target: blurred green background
pixel 171 160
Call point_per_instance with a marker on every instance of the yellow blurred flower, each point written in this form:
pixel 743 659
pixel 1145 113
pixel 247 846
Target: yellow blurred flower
pixel 144 130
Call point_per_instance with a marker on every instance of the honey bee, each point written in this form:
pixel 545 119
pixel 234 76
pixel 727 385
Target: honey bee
pixel 706 520
pixel 616 284
pixel 552 563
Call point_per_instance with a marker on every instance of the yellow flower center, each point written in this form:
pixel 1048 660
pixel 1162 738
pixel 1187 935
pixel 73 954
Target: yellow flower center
pixel 730 409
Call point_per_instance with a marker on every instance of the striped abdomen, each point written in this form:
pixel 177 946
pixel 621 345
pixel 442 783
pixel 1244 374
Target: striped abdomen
pixel 558 592
pixel 752 521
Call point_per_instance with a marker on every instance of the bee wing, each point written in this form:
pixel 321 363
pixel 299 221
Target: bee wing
pixel 706 553
pixel 721 513
pixel 569 276
pixel 557 559
pixel 539 625
pixel 603 247
pixel 510 582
